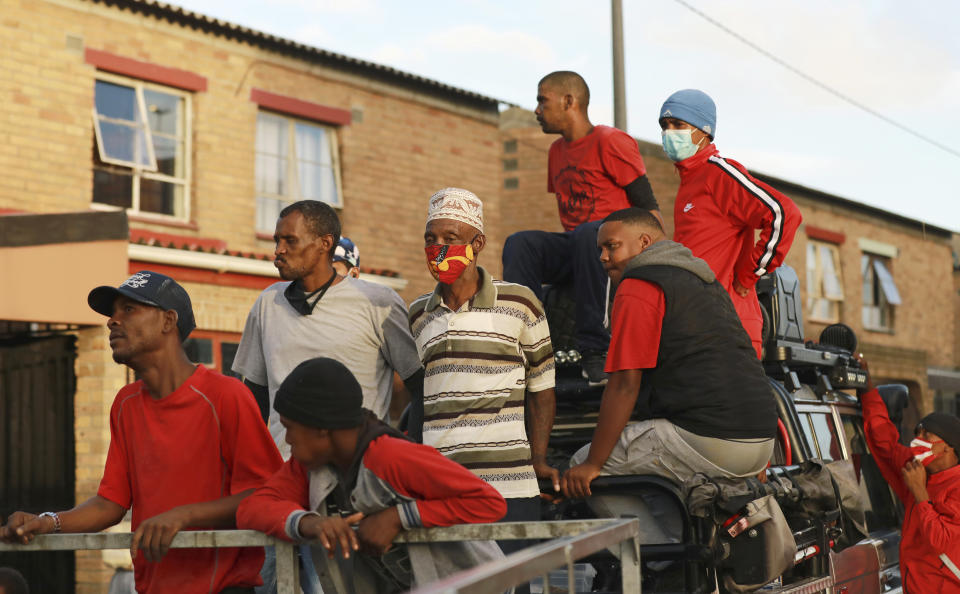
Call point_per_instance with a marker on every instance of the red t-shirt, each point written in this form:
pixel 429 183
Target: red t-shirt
pixel 588 175
pixel 638 311
pixel 203 442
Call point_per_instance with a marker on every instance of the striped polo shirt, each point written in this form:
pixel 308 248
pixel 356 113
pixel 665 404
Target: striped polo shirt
pixel 479 362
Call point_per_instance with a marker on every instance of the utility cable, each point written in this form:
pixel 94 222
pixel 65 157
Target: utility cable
pixel 816 82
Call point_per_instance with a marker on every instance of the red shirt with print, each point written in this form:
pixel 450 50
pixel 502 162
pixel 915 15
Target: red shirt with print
pixel 588 175
pixel 202 442
pixel 637 323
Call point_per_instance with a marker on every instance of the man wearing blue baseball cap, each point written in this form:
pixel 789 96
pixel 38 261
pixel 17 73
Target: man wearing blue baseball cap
pixel 346 258
pixel 720 206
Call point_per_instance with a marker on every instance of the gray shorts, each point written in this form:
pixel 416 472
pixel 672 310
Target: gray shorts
pixel 659 447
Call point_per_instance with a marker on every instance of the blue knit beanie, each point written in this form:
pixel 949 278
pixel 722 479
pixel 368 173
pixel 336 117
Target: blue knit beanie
pixel 693 107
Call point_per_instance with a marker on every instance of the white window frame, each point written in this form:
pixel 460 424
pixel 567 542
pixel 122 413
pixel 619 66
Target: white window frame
pixel 817 282
pixel 292 180
pixel 878 314
pixel 140 171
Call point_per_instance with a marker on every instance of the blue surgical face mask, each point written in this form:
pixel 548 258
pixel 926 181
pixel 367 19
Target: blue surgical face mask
pixel 678 144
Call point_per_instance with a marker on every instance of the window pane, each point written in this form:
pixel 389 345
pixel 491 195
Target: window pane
pixel 268 211
pixel 159 197
pixel 115 101
pixel 317 182
pixel 813 286
pixel 826 436
pixel 313 144
pixel 871 316
pixel 228 352
pixel 832 287
pixel 125 143
pixel 110 187
pixel 271 135
pixel 808 435
pixel 199 350
pixel 869 294
pixel 167 151
pixel 330 186
pixel 821 309
pixel 886 283
pixel 163 112
pixel 271 175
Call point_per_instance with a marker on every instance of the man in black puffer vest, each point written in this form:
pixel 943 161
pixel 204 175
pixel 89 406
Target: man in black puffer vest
pixel 679 356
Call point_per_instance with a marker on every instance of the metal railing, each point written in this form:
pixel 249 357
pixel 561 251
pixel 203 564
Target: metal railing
pixel 568 541
pixel 288 578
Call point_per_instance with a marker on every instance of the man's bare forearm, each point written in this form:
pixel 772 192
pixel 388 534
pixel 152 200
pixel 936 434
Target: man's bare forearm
pixel 541 409
pixel 619 398
pixel 219 513
pixel 93 515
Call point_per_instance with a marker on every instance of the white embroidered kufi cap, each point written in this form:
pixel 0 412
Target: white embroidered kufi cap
pixel 457 204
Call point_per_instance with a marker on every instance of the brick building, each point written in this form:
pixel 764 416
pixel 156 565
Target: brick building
pixel 173 140
pixel 136 135
pixel 888 277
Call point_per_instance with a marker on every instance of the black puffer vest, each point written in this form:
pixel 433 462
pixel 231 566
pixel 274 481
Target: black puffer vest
pixel 707 379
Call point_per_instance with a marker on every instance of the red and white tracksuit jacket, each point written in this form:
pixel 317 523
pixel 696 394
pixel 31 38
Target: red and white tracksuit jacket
pixel 930 539
pixel 718 208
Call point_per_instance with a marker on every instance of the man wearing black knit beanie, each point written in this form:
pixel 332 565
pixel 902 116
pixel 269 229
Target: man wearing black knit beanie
pixel 387 483
pixel 926 478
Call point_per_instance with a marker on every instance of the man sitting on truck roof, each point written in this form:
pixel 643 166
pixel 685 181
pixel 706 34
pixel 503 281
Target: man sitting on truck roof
pixel 680 357
pixel 926 478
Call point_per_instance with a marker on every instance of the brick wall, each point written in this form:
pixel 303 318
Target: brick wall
pixel 925 331
pixel 401 146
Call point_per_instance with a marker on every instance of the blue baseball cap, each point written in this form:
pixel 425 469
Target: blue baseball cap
pixel 348 252
pixel 149 288
pixel 693 107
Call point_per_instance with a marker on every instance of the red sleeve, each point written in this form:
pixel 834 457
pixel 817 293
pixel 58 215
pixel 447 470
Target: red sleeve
pixel 269 506
pixel 115 484
pixel 621 158
pixel 883 440
pixel 756 205
pixel 248 448
pixel 446 493
pixel 940 525
pixel 638 311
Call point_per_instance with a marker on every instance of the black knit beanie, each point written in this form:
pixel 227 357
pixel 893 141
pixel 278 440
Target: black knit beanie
pixel 321 393
pixel 944 425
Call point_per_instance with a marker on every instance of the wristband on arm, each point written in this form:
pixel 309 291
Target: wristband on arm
pixel 640 194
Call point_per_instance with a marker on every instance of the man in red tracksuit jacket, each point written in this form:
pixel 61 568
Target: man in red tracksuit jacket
pixel 720 206
pixel 926 478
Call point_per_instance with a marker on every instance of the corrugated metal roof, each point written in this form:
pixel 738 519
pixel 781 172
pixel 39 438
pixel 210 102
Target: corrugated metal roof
pixel 188 18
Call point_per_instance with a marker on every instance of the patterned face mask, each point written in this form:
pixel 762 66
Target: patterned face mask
pixel 447 262
pixel 923 451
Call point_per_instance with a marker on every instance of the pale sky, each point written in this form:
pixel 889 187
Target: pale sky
pixel 890 56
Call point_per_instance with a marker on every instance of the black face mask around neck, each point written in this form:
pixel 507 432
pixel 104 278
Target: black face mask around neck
pixel 304 303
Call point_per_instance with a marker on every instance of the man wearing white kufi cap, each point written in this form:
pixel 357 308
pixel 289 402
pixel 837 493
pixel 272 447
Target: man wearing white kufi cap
pixel 487 356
